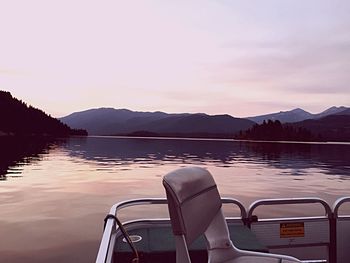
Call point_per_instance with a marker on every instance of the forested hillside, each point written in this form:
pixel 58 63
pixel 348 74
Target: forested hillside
pixel 17 118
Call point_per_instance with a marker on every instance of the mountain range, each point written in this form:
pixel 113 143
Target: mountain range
pixel 297 115
pixel 17 118
pixel 109 121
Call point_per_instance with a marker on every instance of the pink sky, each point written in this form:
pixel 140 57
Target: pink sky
pixel 238 57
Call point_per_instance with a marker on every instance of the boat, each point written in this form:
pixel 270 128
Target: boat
pixel 197 231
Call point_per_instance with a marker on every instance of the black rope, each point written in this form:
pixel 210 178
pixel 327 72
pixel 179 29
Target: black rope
pixel 125 234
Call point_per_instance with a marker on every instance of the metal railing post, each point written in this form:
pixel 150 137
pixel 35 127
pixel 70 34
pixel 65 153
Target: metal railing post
pixel 333 239
pixel 333 226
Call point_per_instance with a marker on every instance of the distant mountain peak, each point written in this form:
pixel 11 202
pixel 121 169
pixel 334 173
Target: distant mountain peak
pixel 330 111
pixel 297 115
pixel 294 115
pixel 334 109
pixel 299 110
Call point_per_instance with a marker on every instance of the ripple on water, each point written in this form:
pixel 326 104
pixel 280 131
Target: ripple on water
pixel 65 192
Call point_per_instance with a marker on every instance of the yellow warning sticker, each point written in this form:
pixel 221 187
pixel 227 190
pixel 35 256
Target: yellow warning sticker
pixel 292 230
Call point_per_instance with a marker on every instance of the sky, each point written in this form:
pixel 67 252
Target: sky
pixel 243 58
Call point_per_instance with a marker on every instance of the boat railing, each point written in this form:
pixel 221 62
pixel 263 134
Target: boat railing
pixel 290 201
pixel 331 228
pixel 338 204
pixel 295 233
pixel 110 225
pixel 163 201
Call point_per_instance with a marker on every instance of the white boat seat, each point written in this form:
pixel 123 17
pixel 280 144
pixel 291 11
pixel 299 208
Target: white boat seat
pixel 195 208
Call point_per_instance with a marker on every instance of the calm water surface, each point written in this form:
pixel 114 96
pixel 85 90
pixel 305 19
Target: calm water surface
pixel 52 204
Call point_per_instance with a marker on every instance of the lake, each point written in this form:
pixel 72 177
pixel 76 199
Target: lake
pixel 53 199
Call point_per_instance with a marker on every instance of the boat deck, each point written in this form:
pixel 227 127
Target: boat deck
pixel 156 242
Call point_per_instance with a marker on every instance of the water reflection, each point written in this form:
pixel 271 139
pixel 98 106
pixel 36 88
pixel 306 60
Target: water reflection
pixel 18 151
pixel 61 200
pixel 124 152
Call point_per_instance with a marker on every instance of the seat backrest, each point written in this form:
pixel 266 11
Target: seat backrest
pixel 193 201
pixel 195 208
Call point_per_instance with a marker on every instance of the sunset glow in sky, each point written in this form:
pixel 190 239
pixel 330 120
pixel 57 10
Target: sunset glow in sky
pixel 239 57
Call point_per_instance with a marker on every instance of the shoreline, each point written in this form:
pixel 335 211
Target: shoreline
pixel 215 139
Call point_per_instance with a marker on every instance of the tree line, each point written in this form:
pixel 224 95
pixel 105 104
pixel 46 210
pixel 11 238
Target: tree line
pixel 17 118
pixel 275 131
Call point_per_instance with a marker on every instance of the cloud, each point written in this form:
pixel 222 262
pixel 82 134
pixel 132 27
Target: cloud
pixel 318 65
